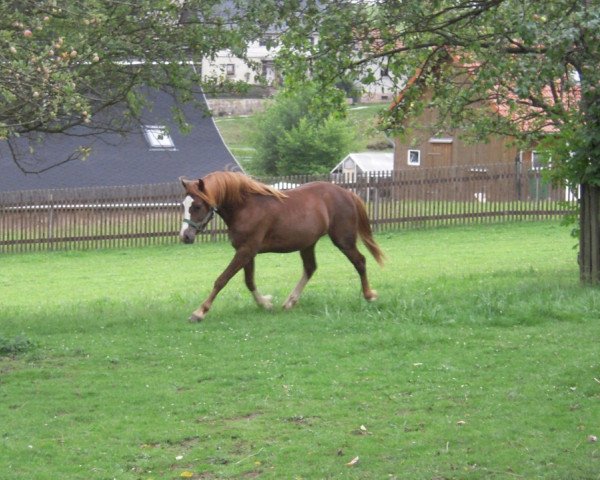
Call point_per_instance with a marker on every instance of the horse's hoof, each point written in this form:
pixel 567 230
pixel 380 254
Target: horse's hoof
pixel 267 302
pixel 372 296
pixel 289 304
pixel 195 318
pixel 264 301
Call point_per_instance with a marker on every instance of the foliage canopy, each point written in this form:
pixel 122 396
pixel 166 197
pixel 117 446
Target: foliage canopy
pixel 64 62
pixel 536 62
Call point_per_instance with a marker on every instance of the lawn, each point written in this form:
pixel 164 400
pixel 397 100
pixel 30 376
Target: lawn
pixel 479 360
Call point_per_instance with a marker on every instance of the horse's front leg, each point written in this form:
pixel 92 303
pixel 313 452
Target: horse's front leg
pixel 262 300
pixel 240 260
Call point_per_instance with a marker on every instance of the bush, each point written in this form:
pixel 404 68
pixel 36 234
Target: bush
pixel 300 134
pixel 310 148
pixel 14 346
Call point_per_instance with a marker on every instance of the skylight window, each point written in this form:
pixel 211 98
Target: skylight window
pixel 158 137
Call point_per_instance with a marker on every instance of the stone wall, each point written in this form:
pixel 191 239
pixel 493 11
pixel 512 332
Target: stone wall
pixel 224 107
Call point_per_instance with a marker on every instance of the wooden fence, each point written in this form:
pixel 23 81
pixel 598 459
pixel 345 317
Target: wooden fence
pixel 142 215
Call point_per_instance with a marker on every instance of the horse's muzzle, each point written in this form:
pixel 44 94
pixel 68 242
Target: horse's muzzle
pixel 188 235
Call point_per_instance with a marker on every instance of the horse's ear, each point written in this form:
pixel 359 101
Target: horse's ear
pixel 200 184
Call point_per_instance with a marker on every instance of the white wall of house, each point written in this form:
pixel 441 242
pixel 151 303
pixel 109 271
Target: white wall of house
pixel 383 90
pixel 226 66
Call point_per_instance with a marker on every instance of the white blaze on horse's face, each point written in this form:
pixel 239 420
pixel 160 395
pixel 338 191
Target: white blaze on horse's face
pixel 187 204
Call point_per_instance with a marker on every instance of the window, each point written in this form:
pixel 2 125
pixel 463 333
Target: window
pixel 268 70
pixel 158 137
pixel 230 69
pixel 414 157
pixel 536 162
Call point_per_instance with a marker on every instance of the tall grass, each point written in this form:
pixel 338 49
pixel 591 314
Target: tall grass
pixel 480 360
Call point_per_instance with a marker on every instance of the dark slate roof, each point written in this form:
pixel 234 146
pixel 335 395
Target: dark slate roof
pixel 117 159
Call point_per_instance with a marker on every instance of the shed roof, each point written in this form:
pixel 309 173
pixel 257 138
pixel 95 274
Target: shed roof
pixel 369 161
pixel 117 159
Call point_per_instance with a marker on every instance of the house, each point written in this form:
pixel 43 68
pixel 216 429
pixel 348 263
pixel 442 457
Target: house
pixel 380 91
pixel 226 66
pixel 479 172
pixel 258 68
pixel 152 150
pixel 425 146
pixel 494 170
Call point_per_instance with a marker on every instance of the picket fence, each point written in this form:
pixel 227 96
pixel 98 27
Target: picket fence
pixel 132 216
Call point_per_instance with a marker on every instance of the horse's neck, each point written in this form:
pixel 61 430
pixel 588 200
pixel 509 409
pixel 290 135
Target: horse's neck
pixel 226 212
pixel 235 213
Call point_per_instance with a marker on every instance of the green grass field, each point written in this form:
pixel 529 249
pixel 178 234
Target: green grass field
pixel 479 361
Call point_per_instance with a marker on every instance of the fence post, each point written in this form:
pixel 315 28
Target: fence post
pixel 518 167
pixel 375 201
pixel 50 222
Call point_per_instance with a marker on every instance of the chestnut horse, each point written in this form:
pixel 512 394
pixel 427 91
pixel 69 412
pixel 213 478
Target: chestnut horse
pixel 263 219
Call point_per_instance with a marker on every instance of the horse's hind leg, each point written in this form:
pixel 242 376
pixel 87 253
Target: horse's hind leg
pixel 347 245
pixel 262 300
pixel 310 265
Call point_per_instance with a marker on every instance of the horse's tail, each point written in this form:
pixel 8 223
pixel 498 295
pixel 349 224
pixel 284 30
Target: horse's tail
pixel 364 230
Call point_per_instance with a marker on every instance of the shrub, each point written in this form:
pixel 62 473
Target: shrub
pixel 14 346
pixel 300 134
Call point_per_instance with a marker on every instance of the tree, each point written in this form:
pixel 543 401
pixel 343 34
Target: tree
pixel 537 61
pixel 65 62
pixel 303 132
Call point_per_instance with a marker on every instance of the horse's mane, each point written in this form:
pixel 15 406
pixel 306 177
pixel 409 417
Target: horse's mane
pixel 231 188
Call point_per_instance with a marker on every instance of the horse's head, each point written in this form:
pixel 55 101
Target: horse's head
pixel 196 211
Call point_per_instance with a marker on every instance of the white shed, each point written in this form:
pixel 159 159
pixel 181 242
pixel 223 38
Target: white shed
pixel 365 162
pixel 370 166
